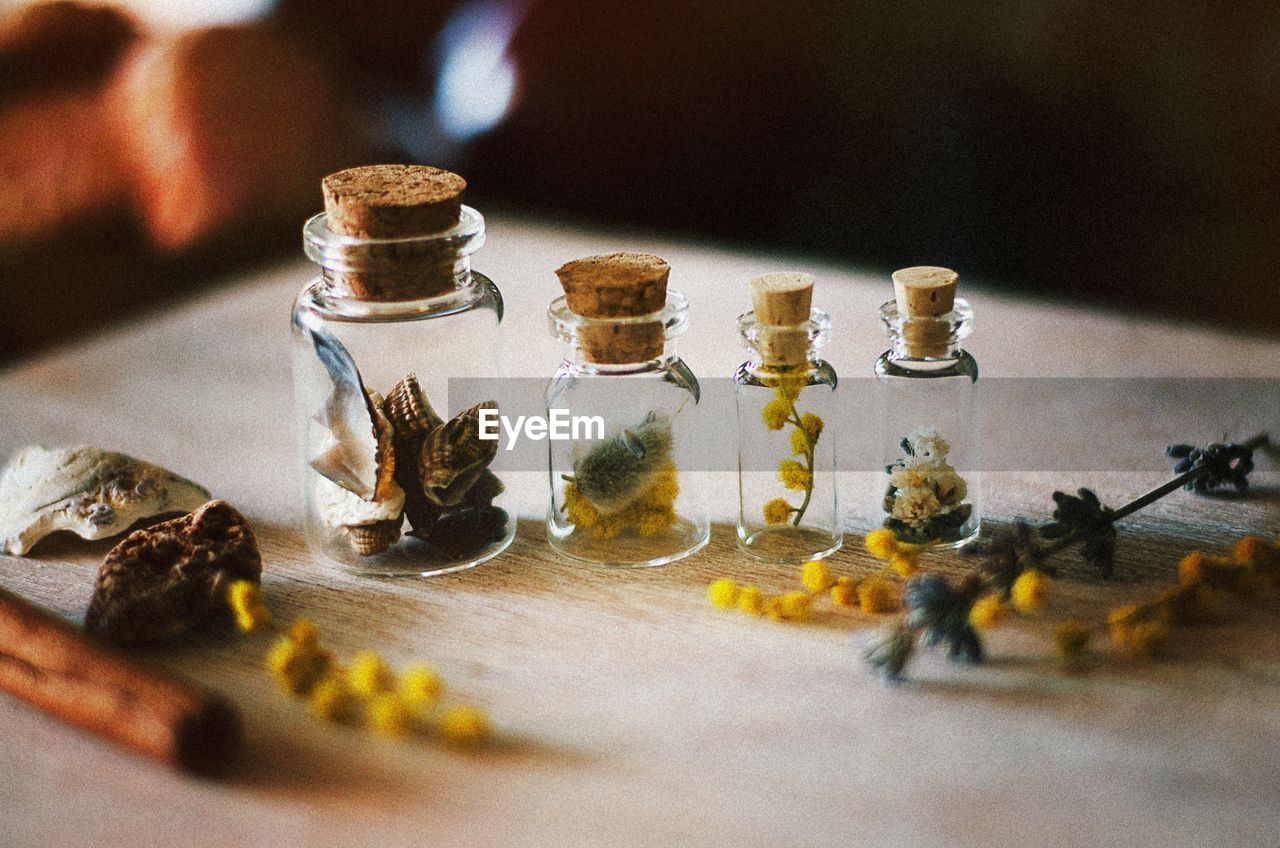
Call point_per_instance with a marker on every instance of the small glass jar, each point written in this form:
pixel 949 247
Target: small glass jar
pixel 926 408
pixel 788 504
pixel 632 494
pixel 392 484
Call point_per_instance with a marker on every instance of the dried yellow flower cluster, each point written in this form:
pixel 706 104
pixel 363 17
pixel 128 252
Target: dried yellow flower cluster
pixel 795 475
pixel 248 605
pixel 874 593
pixel 648 514
pixel 368 690
pixel 1026 596
pixel 1204 584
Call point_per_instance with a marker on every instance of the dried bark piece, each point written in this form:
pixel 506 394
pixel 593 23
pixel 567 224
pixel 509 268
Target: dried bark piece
pixel 171 578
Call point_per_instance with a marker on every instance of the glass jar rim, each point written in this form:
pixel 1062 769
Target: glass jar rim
pixel 353 254
pixel 674 317
pixel 817 328
pixel 959 319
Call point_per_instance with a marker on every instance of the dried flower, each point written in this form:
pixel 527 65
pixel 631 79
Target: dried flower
pixel 723 593
pixel 389 715
pixel 248 605
pixel 816 576
pixel 794 475
pixel 369 675
pixel 881 543
pixel 987 612
pixel 1027 592
pixel 775 413
pixel 421 686
pixel 464 726
pixel 1084 518
pixel 892 649
pixel 751 600
pixel 877 595
pixel 332 700
pixel 914 507
pixel 941 612
pixel 1010 551
pixel 1219 465
pixel 845 592
pixel 777 511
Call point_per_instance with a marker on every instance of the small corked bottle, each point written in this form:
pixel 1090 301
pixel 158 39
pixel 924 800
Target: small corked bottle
pixel 926 407
pixel 626 489
pixel 785 396
pixel 391 342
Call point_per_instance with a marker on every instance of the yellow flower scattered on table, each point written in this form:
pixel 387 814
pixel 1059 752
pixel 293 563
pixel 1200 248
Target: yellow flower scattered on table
pixel 248 605
pixel 816 576
pixel 367 691
pixel 876 594
pixel 881 543
pixel 1028 592
pixel 463 725
pixel 986 612
pixel 751 600
pixel 723 593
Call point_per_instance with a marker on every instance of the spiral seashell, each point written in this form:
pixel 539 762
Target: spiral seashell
pixel 370 539
pixel 453 457
pixel 407 407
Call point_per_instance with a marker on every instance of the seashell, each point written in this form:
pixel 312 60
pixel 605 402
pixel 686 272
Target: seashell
pixel 622 468
pixel 359 454
pixel 370 539
pixel 339 507
pixel 407 408
pixel 89 491
pixel 453 457
pixel 486 488
pixel 171 578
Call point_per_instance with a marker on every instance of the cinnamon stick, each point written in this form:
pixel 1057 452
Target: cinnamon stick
pixel 49 663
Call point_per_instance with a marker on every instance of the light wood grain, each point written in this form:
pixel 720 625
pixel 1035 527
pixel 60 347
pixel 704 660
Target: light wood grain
pixel 630 711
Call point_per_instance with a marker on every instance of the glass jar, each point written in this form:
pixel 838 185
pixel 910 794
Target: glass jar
pixel 788 503
pixel 632 493
pixel 928 437
pixel 395 480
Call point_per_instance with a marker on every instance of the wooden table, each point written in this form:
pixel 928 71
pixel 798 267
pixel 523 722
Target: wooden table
pixel 630 711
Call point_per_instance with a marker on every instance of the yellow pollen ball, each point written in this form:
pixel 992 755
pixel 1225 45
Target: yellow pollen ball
pixel 881 543
pixel 816 576
pixel 389 715
pixel 986 612
pixel 464 725
pixel 751 600
pixel 1028 591
pixel 369 675
pixel 876 595
pixel 723 593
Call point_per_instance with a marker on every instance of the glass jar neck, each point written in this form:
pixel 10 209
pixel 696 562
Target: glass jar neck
pixel 627 345
pixel 430 266
pixel 784 349
pixel 926 339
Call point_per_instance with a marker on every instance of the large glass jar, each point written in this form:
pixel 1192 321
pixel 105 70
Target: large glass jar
pixel 788 506
pixel 395 478
pixel 629 491
pixel 926 408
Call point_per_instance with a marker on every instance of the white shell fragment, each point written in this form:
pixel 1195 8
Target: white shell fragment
pixel 91 492
pixel 342 508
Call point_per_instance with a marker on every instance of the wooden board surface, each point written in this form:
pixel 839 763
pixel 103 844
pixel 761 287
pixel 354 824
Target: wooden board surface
pixel 630 711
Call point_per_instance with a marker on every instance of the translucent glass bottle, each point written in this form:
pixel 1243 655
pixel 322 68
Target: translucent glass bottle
pixel 785 397
pixel 392 482
pixel 926 406
pixel 630 494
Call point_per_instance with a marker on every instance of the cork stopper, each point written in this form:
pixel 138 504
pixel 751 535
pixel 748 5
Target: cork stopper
pixel 925 291
pixel 924 294
pixel 782 299
pixel 396 202
pixel 780 302
pixel 617 286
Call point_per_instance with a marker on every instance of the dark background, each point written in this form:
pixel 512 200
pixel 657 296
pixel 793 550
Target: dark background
pixel 1120 154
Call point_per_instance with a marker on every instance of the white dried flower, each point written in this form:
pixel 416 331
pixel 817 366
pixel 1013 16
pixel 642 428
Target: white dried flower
pixel 949 486
pixel 914 507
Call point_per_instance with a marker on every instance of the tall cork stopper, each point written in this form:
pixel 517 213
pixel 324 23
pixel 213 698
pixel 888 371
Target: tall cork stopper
pixel 781 304
pixel 396 202
pixel 925 295
pixel 617 286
